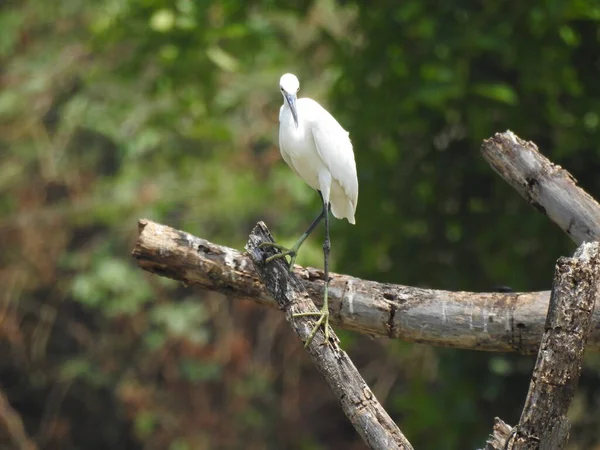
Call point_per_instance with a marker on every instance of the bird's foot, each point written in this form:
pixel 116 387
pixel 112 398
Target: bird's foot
pixel 323 315
pixel 283 252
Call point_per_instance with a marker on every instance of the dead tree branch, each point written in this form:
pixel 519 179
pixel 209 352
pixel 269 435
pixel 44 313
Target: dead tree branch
pixel 554 192
pixel 359 404
pixel 543 422
pixel 504 322
pixel 548 187
pixel 501 434
pixel 483 321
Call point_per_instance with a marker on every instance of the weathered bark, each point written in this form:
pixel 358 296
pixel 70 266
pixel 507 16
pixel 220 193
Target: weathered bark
pixel 548 187
pixel 359 404
pixel 484 321
pixel 554 192
pixel 543 423
pixel 501 433
pixel 505 322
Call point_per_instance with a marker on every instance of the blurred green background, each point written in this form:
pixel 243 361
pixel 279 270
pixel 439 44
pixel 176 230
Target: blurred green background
pixel 115 110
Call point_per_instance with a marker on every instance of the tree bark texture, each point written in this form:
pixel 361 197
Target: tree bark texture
pixel 502 322
pixel 500 435
pixel 543 423
pixel 357 400
pixel 554 192
pixel 548 187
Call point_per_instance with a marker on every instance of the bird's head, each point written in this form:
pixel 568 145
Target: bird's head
pixel 289 85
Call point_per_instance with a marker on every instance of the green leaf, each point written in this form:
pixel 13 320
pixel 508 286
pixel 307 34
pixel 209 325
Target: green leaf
pixel 162 20
pixel 222 59
pixel 501 93
pixel 196 370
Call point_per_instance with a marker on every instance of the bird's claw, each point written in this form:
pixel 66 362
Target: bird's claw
pixel 323 314
pixel 283 252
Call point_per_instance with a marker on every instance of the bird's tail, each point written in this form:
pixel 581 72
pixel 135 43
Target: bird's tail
pixel 342 208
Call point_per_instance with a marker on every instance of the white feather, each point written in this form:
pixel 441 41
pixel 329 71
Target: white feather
pixel 320 152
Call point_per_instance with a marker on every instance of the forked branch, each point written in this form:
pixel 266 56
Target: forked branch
pixel 483 321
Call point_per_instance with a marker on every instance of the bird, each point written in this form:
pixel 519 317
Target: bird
pixel 318 150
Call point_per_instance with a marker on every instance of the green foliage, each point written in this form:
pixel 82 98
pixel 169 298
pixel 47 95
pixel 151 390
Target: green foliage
pixel 437 85
pixel 182 320
pixel 113 286
pixel 115 110
pixel 193 370
pixel 145 424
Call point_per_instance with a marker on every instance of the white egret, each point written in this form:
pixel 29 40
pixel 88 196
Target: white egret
pixel 319 151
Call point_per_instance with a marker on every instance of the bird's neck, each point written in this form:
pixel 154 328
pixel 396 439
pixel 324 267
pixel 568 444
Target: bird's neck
pixel 286 107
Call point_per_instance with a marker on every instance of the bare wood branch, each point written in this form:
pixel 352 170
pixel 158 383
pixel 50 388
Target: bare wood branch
pixel 548 187
pixel 12 431
pixel 543 423
pixel 358 402
pixel 501 433
pixel 505 322
pixel 554 192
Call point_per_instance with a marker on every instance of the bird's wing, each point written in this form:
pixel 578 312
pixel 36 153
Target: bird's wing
pixel 286 157
pixel 335 149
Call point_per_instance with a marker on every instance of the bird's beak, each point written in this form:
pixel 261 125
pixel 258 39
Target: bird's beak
pixel 291 99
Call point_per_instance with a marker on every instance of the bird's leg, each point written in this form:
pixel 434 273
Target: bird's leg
pixel 324 312
pixel 292 252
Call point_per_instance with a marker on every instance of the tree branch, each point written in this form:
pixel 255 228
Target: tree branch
pixel 548 187
pixel 505 322
pixel 359 404
pixel 500 435
pixel 483 321
pixel 543 422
